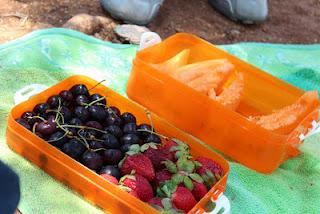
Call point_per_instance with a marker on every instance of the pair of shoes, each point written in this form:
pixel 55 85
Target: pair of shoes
pixel 139 12
pixel 246 11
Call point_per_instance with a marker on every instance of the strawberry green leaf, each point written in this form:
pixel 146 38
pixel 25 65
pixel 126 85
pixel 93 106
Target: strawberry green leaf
pixel 144 147
pixel 166 202
pixel 156 207
pixel 132 177
pixel 134 148
pixel 196 177
pixel 188 183
pixel 180 143
pixel 125 188
pixel 121 162
pixel 209 174
pixel 197 164
pixel 154 146
pixel 160 193
pixel 179 154
pixel 171 167
pixel 174 148
pixel 130 153
pixel 177 179
pixel 185 165
pixel 209 179
pixel 166 191
pixel 168 187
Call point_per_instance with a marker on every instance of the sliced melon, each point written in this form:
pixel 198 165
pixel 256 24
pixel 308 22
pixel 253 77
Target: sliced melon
pixel 188 73
pixel 284 120
pixel 230 97
pixel 174 62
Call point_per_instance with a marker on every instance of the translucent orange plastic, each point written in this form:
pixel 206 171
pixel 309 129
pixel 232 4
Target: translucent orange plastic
pixel 78 177
pixel 228 131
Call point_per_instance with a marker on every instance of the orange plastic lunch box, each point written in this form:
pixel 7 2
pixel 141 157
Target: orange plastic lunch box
pixel 87 183
pixel 227 131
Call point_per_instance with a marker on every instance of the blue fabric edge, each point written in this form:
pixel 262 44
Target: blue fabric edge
pixel 62 31
pixel 91 39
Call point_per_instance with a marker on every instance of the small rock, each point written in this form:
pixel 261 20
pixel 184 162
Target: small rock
pixel 130 33
pixel 98 26
pixel 83 23
pixel 235 32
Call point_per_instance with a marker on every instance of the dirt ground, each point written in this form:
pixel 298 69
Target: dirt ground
pixel 289 21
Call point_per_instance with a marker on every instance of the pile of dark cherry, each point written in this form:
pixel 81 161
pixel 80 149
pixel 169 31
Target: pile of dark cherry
pixel 160 172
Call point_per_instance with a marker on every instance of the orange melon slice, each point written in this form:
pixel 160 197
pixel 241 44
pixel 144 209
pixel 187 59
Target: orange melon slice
pixel 230 97
pixel 174 62
pixel 212 79
pixel 212 93
pixel 284 120
pixel 188 73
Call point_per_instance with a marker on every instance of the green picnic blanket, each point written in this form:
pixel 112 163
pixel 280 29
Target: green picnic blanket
pixel 48 56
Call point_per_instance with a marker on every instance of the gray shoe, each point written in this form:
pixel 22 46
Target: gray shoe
pixel 139 12
pixel 246 11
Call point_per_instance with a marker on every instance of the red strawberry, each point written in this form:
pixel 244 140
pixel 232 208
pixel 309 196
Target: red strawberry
pixel 208 164
pixel 162 176
pixel 141 164
pixel 169 144
pixel 110 178
pixel 177 148
pixel 210 171
pixel 199 190
pixel 155 201
pixel 134 193
pixel 183 199
pixel 139 186
pixel 157 156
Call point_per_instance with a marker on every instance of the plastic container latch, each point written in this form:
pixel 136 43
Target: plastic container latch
pixel 28 91
pixel 222 204
pixel 315 129
pixel 149 39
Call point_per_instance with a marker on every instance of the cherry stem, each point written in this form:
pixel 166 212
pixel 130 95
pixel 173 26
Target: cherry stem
pixel 149 117
pixel 41 118
pixel 34 128
pixel 95 139
pixel 100 149
pixel 83 127
pixel 152 132
pixel 112 112
pixel 59 108
pixel 93 102
pixel 58 113
pixel 84 140
pixel 65 134
pixel 96 85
